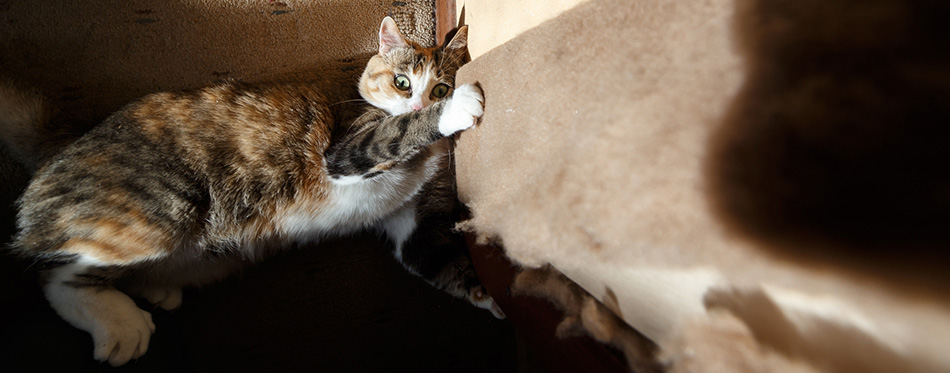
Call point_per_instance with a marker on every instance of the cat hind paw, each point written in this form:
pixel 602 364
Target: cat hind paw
pixel 167 298
pixel 123 339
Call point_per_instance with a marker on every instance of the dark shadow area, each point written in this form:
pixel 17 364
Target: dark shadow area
pixel 537 320
pixel 835 149
pixel 345 305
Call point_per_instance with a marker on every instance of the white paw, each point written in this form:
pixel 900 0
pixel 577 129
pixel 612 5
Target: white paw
pixel 462 110
pixel 480 298
pixel 123 336
pixel 164 297
pixel 120 330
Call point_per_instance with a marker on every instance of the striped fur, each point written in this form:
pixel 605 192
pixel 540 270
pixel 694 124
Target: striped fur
pixel 182 188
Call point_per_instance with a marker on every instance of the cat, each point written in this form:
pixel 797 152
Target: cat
pixel 183 188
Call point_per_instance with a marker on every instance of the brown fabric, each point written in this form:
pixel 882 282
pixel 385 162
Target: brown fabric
pixel 93 57
pixel 622 142
pixel 536 319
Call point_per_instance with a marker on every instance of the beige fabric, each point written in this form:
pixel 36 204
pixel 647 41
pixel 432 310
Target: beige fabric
pixel 501 20
pixel 593 155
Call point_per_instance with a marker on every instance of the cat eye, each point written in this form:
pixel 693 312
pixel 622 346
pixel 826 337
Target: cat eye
pixel 440 90
pixel 401 82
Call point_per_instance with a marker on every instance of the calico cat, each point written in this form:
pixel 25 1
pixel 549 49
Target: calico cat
pixel 179 189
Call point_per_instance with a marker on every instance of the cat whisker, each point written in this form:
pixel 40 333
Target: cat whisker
pixel 348 101
pixel 352 127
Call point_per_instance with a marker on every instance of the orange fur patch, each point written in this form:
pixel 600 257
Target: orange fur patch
pixel 120 242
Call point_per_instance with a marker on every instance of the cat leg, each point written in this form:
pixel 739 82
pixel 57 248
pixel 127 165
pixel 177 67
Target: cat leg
pixel 399 227
pixel 385 141
pixel 166 297
pixel 437 256
pixel 161 282
pixel 82 294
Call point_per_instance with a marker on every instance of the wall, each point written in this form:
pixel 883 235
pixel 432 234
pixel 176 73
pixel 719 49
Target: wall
pixel 494 22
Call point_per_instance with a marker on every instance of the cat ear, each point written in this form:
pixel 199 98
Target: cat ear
pixel 389 36
pixel 458 42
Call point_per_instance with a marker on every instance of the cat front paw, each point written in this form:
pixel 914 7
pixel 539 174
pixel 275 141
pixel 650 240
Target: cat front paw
pixel 480 298
pixel 462 111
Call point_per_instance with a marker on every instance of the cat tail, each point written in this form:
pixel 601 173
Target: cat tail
pixel 26 130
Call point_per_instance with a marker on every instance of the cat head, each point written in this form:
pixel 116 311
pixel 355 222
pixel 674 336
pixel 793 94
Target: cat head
pixel 404 76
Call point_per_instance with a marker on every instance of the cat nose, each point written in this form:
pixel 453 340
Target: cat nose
pixel 416 106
